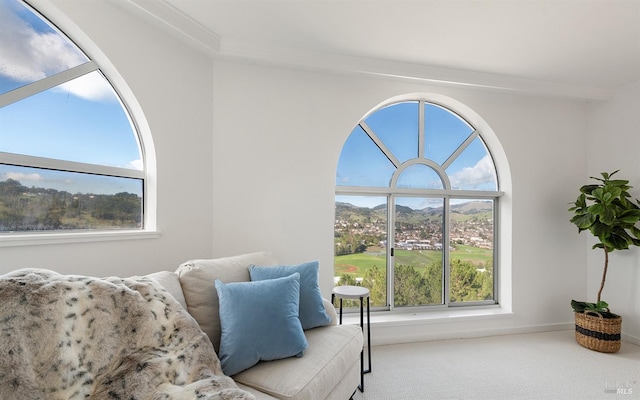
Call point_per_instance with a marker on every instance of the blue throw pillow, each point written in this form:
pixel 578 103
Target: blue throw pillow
pixel 312 311
pixel 259 322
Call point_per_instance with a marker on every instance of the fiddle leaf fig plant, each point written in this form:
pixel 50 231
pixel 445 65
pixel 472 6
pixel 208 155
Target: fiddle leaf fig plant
pixel 607 210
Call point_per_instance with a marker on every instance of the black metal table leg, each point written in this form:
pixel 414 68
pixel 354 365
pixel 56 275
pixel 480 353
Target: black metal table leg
pixel 368 337
pixel 349 292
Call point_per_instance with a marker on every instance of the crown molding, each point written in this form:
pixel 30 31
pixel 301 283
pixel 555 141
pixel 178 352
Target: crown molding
pixel 177 22
pixel 166 15
pixel 300 59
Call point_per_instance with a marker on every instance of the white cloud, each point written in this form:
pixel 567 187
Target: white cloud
pixel 29 55
pixel 21 177
pixel 341 178
pixel 89 87
pixel 475 177
pixel 136 164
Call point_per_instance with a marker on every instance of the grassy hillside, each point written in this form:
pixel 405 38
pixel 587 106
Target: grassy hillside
pixel 357 264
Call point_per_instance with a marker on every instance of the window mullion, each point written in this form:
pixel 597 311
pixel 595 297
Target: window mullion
pixel 421 138
pixel 391 235
pixel 460 149
pixel 64 165
pixel 446 243
pixel 431 193
pixel 47 83
pixel 385 150
pixel 496 249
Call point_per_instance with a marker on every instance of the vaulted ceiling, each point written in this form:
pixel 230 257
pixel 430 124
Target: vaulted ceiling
pixel 578 48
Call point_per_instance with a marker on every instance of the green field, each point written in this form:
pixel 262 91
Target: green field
pixel 357 264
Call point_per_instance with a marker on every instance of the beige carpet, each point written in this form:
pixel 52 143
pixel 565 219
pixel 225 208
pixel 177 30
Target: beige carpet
pixel 547 366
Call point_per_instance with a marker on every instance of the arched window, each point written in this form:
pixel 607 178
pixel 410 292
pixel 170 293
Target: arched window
pixel 71 158
pixel 417 200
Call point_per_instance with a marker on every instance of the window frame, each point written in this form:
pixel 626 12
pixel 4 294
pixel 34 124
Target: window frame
pixel 391 192
pixel 97 62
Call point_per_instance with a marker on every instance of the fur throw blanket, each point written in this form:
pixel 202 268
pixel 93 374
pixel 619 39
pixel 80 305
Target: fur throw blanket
pixel 77 337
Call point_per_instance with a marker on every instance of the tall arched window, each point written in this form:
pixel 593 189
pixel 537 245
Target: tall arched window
pixel 71 158
pixel 417 200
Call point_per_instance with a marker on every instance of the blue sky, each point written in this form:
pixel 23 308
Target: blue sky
pixel 362 163
pixel 81 120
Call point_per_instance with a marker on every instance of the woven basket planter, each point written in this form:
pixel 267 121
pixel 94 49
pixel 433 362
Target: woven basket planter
pixel 597 333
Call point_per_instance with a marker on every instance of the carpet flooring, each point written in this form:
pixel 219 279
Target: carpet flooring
pixel 544 366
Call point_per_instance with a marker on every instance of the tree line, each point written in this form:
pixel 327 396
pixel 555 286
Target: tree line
pixel 39 209
pixel 413 287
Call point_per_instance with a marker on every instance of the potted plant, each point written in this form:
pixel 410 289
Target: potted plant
pixel 607 210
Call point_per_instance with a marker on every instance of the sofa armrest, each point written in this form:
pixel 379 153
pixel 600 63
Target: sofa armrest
pixel 331 311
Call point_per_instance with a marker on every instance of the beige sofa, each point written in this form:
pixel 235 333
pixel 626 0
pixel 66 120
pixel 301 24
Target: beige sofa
pixel 330 367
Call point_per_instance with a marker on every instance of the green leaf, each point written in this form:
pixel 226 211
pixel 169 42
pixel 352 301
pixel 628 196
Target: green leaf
pixel 615 241
pixel 597 208
pixel 583 221
pixel 598 193
pixel 607 216
pixel 599 229
pixel 601 307
pixel 588 189
pixel 630 216
pixel 614 191
pixel 581 202
pixel 578 306
pixel 619 183
pixel 606 194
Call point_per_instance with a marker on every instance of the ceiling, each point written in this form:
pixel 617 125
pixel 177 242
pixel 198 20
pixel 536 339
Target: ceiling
pixel 578 48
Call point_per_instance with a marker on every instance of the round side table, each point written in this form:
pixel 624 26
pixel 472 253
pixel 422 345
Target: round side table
pixel 355 293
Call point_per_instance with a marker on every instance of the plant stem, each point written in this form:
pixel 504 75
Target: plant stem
pixel 604 273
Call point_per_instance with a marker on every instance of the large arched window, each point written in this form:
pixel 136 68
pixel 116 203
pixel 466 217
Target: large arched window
pixel 417 201
pixel 71 158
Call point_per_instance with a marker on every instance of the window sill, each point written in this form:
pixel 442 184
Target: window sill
pixel 35 239
pixel 402 317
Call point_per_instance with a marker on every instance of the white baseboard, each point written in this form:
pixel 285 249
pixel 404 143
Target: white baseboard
pixel 630 338
pixel 385 335
pixel 389 334
pixel 396 328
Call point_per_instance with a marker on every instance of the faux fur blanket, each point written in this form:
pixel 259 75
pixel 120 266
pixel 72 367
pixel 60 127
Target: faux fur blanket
pixel 77 337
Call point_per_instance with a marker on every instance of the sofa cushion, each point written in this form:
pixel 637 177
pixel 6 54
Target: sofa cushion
pixel 331 311
pixel 259 321
pixel 328 359
pixel 197 277
pixel 258 394
pixel 312 311
pixel 170 281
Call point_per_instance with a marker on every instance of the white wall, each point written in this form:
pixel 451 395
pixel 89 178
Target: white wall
pixel 278 134
pixel 264 179
pixel 173 84
pixel 614 133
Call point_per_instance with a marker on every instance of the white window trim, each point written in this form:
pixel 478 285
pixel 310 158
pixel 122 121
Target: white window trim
pixel 503 288
pixel 440 315
pixel 49 82
pixel 72 166
pixel 98 60
pixel 38 238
